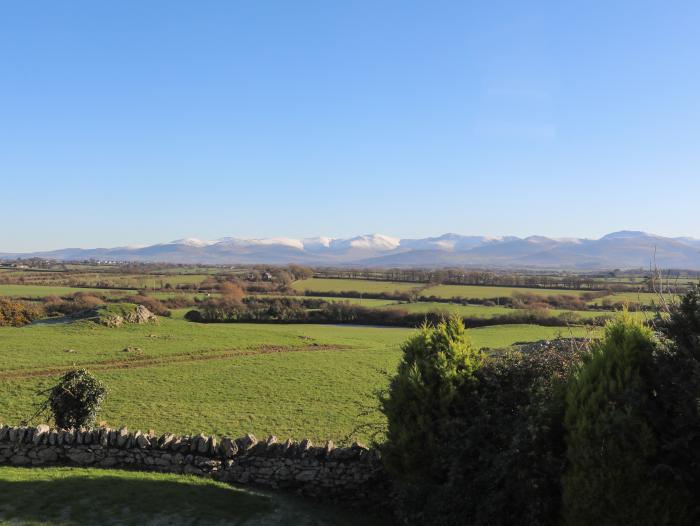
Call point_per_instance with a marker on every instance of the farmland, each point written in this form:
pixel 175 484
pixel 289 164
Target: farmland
pixel 341 285
pixel 486 292
pixel 484 311
pixel 296 377
pixel 40 291
pixel 290 380
pixel 463 292
pixel 426 294
pixel 633 298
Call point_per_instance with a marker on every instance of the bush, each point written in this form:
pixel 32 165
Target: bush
pixel 314 310
pixel 85 301
pixel 612 445
pixel 73 304
pixel 153 304
pixel 553 434
pixel 17 313
pixel 232 290
pixel 683 324
pixel 677 416
pixel 436 362
pixel 503 450
pixel 76 399
pixel 194 315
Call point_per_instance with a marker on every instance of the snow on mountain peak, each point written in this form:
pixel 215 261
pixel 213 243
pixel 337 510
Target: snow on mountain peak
pixel 375 242
pixel 284 241
pixel 315 242
pixel 192 242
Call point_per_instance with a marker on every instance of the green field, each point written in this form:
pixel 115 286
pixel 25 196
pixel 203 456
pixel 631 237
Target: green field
pixel 126 281
pixel 293 381
pixel 40 291
pixel 57 496
pixel 487 292
pixel 341 285
pixel 482 311
pixel 186 295
pixel 475 311
pixel 365 302
pixel 633 298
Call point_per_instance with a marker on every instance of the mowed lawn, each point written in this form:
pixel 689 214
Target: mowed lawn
pixel 59 496
pixel 294 381
pixel 359 285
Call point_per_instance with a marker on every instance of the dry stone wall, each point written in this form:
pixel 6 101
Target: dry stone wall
pixel 354 474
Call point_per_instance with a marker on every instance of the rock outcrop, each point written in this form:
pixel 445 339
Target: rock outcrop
pixel 117 314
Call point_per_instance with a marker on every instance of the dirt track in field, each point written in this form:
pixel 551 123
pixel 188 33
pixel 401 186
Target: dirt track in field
pixel 140 361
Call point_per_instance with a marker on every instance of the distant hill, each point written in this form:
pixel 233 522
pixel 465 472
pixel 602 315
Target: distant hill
pixel 625 249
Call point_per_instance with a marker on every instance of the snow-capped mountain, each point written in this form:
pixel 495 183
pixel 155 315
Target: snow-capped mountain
pixel 624 249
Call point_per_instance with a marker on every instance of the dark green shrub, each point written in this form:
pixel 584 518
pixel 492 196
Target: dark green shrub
pixel 76 399
pixel 612 446
pixel 504 449
pixel 683 324
pixel 419 404
pixel 677 415
pixel 477 441
pixel 194 315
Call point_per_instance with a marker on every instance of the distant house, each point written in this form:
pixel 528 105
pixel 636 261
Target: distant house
pixel 267 276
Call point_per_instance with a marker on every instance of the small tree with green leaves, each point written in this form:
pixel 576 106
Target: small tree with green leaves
pixel 76 399
pixel 612 447
pixel 420 402
pixel 683 323
pixel 677 386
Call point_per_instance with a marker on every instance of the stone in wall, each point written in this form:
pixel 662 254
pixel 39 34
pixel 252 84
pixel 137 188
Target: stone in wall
pixel 354 475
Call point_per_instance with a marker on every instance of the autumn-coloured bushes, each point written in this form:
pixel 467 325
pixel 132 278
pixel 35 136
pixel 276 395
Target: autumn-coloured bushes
pixel 17 313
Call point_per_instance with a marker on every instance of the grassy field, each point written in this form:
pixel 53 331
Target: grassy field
pixel 40 291
pixel 486 292
pixel 59 496
pixel 476 311
pixel 632 298
pixel 126 281
pixel 293 381
pixel 340 285
pixel 186 295
pixel 365 302
pixel 481 311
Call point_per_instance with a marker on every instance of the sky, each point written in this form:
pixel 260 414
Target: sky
pixel 137 122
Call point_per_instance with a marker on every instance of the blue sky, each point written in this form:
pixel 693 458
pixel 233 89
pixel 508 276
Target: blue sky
pixel 140 122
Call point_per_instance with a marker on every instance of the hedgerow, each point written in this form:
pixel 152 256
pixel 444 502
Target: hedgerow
pixel 561 435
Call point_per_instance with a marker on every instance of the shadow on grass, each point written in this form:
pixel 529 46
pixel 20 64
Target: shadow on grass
pixel 80 496
pixel 70 496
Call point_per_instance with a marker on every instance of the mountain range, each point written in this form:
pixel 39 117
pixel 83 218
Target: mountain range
pixel 625 249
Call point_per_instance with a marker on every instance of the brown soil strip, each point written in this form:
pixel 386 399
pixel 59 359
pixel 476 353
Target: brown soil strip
pixel 138 362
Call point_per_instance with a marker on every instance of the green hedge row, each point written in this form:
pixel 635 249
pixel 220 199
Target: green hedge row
pixel 605 434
